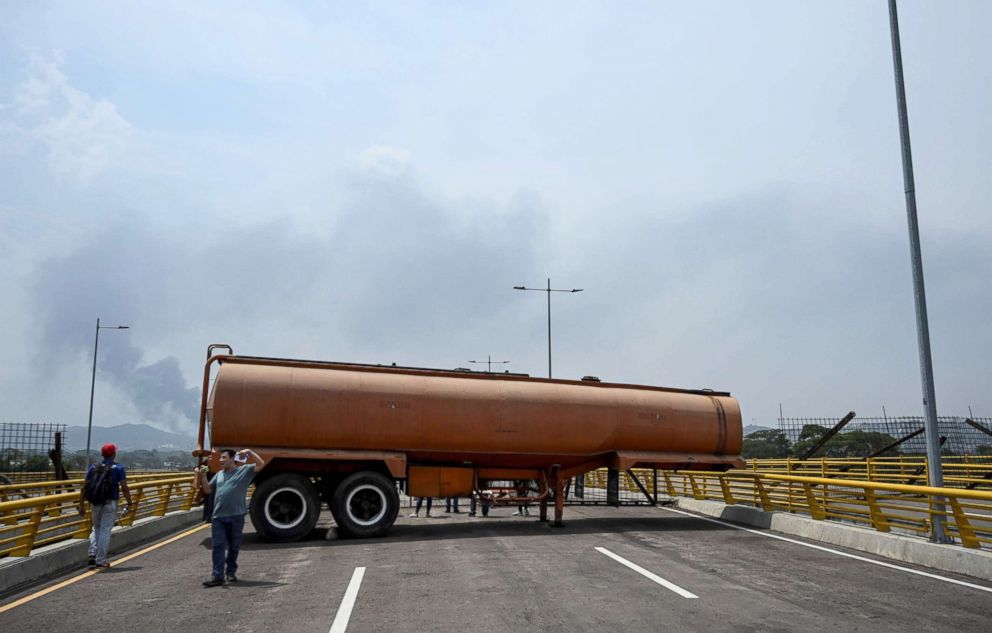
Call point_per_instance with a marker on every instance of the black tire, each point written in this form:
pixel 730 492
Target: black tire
pixel 285 507
pixel 365 504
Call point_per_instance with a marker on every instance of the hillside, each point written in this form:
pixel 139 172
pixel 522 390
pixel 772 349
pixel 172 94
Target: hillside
pixel 129 437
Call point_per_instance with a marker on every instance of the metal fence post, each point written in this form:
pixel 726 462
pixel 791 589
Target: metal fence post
pixel 26 540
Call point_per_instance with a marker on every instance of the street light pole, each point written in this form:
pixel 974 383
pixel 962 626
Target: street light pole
pixel 935 474
pixel 549 327
pixel 548 290
pixel 96 346
pixel 489 363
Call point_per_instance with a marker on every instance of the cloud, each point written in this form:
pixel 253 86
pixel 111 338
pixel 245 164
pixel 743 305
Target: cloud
pixel 401 272
pixel 372 185
pixel 385 161
pixel 83 136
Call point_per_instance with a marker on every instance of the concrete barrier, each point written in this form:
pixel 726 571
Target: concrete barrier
pixel 20 571
pixel 908 549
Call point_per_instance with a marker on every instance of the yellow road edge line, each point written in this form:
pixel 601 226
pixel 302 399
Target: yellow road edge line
pixel 87 574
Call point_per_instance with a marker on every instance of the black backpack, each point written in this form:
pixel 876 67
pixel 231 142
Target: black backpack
pixel 100 487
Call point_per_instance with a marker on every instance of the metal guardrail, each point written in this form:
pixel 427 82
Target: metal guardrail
pixel 883 506
pixel 52 516
pixel 24 490
pixel 970 472
pixel 47 512
pixel 22 477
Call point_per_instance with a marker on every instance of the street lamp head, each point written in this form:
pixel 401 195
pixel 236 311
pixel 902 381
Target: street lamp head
pixel 577 289
pixel 123 327
pixel 519 288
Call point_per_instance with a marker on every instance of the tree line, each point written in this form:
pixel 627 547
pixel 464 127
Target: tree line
pixel 15 460
pixel 773 443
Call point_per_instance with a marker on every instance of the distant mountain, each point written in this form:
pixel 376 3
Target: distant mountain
pixel 754 428
pixel 129 437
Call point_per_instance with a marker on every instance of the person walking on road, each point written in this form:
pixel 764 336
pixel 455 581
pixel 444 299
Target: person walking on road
pixel 102 488
pixel 229 488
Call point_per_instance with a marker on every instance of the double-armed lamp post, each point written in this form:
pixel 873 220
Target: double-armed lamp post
pixel 96 346
pixel 548 290
pixel 489 363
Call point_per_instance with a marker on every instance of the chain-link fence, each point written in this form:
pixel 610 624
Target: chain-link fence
pixel 640 486
pixel 26 447
pixel 862 436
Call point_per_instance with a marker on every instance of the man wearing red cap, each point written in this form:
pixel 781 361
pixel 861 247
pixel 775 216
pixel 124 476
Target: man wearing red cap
pixel 102 488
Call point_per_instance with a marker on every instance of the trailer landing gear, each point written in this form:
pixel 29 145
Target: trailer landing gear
pixel 559 501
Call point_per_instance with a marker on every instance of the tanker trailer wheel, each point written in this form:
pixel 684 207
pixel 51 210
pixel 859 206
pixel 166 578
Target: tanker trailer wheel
pixel 365 504
pixel 285 507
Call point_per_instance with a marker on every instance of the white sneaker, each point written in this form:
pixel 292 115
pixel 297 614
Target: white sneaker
pixel 517 514
pixel 414 515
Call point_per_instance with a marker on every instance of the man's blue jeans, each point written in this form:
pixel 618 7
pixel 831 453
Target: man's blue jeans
pixel 103 515
pixel 225 533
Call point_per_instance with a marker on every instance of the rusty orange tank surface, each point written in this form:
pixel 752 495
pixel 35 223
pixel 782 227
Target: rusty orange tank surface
pixel 446 433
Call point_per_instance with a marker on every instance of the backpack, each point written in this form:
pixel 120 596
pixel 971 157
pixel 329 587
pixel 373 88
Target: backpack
pixel 100 487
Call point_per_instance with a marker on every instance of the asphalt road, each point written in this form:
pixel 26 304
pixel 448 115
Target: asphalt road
pixel 509 574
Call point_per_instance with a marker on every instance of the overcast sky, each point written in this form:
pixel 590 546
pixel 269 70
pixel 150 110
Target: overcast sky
pixel 368 182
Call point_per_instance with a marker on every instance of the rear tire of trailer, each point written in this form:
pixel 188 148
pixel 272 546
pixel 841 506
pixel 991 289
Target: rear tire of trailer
pixel 365 504
pixel 285 507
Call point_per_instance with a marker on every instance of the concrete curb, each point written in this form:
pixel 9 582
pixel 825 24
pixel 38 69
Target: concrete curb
pixel 952 558
pixel 52 559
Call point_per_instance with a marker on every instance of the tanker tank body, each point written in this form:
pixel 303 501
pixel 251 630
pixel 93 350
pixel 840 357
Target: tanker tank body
pixel 347 433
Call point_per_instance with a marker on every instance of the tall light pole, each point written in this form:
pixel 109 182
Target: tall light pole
pixel 96 346
pixel 548 290
pixel 489 363
pixel 935 473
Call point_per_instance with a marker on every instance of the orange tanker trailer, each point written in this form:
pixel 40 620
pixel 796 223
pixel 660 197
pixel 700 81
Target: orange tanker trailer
pixel 346 433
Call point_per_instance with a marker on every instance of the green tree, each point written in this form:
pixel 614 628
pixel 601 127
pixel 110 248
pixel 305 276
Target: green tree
pixel 860 443
pixel 765 445
pixel 38 463
pixel 856 443
pixel 10 460
pixel 809 436
pixel 74 461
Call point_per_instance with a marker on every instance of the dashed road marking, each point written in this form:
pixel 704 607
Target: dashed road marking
pixel 671 586
pixel 343 615
pixel 837 552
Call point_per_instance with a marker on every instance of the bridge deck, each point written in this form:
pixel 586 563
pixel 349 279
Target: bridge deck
pixel 507 574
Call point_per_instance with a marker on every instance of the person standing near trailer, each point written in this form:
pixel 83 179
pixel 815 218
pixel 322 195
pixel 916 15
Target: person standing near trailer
pixel 229 487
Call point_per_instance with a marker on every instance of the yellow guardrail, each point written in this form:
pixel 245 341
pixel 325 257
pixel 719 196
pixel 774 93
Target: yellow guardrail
pixel 34 521
pixel 23 490
pixel 971 471
pixel 884 506
pixel 22 477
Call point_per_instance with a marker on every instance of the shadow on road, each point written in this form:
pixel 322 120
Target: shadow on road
pixel 242 583
pixel 507 527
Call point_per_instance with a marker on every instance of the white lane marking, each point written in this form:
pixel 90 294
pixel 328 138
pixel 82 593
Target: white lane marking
pixel 834 551
pixel 348 602
pixel 650 575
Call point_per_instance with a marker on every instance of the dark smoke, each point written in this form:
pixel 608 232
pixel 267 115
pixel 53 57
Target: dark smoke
pixel 157 390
